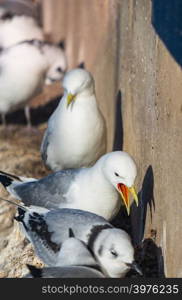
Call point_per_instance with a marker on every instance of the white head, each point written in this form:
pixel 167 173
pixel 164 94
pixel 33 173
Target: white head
pixel 114 252
pixel 120 170
pixel 77 81
pixel 75 252
pixel 57 62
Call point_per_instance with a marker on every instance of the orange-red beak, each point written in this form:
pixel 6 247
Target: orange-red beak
pixel 124 192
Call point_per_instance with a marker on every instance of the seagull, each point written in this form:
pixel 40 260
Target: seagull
pixel 69 141
pixel 48 231
pixel 15 29
pixel 23 70
pixel 81 264
pixel 97 189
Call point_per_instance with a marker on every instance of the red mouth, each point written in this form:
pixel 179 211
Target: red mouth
pixel 124 190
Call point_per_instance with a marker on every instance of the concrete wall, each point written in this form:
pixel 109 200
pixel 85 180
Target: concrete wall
pixel 151 83
pixel 122 43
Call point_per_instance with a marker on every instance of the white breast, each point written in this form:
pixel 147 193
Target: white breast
pixel 79 138
pixel 93 194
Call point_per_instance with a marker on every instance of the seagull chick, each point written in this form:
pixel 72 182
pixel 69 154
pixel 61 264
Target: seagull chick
pixel 66 265
pixel 76 132
pixel 97 189
pixel 111 247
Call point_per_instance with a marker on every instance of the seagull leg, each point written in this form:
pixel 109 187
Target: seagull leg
pixel 28 116
pixel 3 119
pixel 29 128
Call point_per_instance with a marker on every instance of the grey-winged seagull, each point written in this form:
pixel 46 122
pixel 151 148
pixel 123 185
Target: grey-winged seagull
pixel 111 247
pixel 96 189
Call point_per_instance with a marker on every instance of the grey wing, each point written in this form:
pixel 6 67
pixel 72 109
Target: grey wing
pixel 65 272
pixel 71 272
pixel 81 222
pixel 48 231
pixel 47 192
pixel 44 145
pixel 47 138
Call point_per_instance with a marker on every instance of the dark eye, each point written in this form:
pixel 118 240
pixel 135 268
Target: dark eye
pixel 59 69
pixel 116 174
pixel 114 253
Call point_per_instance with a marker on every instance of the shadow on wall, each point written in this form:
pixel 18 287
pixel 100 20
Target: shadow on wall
pixel 148 254
pixel 118 127
pixel 167 21
pixel 146 199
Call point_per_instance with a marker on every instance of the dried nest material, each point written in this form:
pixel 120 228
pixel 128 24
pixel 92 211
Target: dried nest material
pixel 16 254
pixel 19 154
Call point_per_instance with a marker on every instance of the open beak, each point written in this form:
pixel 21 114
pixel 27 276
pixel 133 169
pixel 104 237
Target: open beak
pixel 70 98
pixel 124 192
pixel 135 267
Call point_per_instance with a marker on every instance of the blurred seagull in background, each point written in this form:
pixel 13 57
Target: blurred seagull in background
pixel 24 71
pixel 24 68
pixel 111 247
pixel 76 132
pixel 97 189
pixel 15 29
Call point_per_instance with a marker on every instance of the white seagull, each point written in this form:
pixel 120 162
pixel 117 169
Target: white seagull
pixel 76 132
pixel 111 247
pixel 23 70
pixel 96 189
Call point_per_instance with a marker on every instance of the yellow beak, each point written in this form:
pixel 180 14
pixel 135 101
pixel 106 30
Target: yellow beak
pixel 70 98
pixel 124 192
pixel 134 194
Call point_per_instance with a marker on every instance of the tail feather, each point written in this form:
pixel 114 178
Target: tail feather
pixel 21 215
pixel 10 176
pixel 35 272
pixel 6 181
